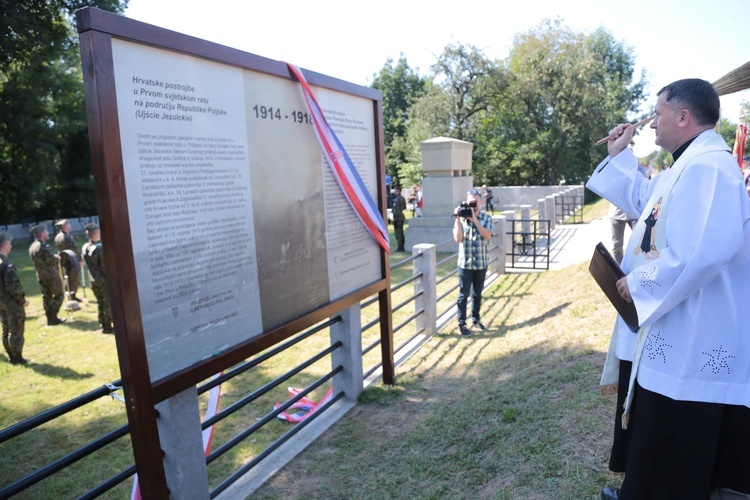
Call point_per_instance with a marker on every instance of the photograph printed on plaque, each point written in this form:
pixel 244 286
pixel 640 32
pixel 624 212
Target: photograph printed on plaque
pixel 287 200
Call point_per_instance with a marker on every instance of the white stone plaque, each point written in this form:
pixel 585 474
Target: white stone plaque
pixel 237 224
pixel 185 157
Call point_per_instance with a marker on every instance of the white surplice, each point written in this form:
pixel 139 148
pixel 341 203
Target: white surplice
pixel 688 270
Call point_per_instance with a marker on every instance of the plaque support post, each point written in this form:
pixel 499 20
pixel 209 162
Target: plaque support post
pixel 349 356
pixel 180 435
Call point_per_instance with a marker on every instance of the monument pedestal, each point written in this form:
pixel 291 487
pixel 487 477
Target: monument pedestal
pixel 434 230
pixel 447 167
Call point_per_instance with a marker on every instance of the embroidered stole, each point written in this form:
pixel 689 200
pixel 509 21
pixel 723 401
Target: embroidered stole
pixel 647 239
pixel 643 247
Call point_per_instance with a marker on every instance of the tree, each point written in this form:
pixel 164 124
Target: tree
pixel 745 111
pixel 533 119
pixel 465 84
pixel 401 86
pixel 45 168
pixel 565 89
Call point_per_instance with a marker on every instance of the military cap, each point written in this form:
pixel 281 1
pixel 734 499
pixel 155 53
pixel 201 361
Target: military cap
pixel 91 226
pixel 37 230
pixel 61 222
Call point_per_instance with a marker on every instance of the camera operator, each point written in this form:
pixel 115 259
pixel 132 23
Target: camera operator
pixel 472 230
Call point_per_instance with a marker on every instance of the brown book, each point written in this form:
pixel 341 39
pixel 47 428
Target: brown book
pixel 606 272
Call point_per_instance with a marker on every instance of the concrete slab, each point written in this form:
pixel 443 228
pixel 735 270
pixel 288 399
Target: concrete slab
pixel 574 243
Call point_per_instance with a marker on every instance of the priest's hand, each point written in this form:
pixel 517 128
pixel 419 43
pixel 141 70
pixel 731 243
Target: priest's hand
pixel 619 138
pixel 623 290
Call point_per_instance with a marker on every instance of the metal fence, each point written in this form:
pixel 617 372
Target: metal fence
pixel 531 243
pixel 569 208
pixel 441 290
pixel 84 451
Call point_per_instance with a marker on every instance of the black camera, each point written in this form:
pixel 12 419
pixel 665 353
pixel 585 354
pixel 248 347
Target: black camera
pixel 466 210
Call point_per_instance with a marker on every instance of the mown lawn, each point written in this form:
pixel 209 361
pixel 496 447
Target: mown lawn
pixel 556 373
pixel 511 413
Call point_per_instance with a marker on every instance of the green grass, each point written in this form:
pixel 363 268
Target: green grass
pixel 464 413
pixel 514 412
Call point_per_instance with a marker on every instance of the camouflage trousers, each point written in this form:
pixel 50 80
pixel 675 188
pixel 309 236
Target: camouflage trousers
pixel 102 302
pixel 13 318
pixel 74 276
pixel 52 297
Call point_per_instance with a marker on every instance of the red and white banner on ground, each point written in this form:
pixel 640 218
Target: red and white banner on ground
pixel 305 406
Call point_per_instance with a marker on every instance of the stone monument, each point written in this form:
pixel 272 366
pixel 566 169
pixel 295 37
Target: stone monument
pixel 447 168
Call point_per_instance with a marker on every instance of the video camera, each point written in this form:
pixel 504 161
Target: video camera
pixel 466 209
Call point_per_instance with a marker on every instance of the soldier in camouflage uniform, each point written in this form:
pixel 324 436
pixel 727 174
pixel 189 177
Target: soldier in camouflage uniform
pixel 12 303
pixel 47 273
pixel 93 254
pixel 70 262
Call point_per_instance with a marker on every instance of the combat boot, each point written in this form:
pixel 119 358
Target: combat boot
pixel 53 320
pixel 18 360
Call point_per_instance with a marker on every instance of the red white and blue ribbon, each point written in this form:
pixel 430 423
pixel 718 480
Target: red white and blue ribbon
pixel 343 168
pixel 214 395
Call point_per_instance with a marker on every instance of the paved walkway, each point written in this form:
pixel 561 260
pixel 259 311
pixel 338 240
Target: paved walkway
pixel 574 243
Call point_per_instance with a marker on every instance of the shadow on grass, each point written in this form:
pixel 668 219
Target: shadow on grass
pixel 30 451
pixel 503 329
pixel 81 324
pixel 499 302
pixel 57 371
pixel 52 371
pixel 524 423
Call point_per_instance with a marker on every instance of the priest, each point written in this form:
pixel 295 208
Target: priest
pixel 684 378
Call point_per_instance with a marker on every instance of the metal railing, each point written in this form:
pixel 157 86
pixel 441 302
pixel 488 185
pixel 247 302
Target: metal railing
pixel 531 243
pixel 394 308
pixel 450 259
pixel 569 208
pixel 405 318
pixel 109 389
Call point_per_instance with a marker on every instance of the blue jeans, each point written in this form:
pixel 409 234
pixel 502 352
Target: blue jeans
pixel 469 279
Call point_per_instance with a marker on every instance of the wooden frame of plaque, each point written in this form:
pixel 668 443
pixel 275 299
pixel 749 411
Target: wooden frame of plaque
pixel 189 140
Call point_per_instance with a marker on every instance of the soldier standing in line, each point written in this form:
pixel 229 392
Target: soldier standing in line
pixel 47 274
pixel 68 250
pixel 93 254
pixel 399 205
pixel 12 304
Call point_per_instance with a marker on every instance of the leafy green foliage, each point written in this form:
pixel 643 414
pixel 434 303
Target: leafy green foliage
pixel 534 117
pixel 465 84
pixel 469 82
pixel 566 89
pixel 45 168
pixel 401 86
pixel 728 130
